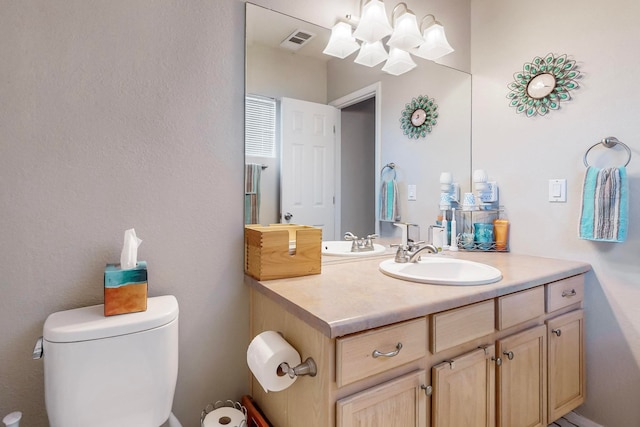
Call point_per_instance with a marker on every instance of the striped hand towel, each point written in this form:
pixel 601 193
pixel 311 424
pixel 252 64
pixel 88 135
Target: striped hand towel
pixel 605 205
pixel 389 209
pixel 252 173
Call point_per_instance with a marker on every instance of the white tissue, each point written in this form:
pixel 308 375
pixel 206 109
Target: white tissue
pixel 129 255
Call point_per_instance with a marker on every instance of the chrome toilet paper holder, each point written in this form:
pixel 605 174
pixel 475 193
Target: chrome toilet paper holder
pixel 308 367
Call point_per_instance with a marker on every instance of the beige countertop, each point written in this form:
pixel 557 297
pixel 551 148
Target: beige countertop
pixel 353 295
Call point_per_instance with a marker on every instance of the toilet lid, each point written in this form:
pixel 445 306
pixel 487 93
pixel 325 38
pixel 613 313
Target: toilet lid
pixel 90 323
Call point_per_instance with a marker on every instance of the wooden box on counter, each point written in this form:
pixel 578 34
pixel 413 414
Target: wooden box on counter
pixel 278 251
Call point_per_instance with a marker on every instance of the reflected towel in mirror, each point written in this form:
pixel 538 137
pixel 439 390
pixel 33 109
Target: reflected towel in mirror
pixel 389 209
pixel 252 173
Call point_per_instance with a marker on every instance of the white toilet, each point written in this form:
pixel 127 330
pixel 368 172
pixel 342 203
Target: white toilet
pixel 117 371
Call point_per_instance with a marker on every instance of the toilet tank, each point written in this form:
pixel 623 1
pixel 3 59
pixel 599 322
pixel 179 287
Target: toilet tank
pixel 111 371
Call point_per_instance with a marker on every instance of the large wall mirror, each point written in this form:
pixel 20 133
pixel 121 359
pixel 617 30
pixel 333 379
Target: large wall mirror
pixel 305 89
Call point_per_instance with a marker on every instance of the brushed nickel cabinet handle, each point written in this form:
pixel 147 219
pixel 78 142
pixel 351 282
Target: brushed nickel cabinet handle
pixel 558 332
pixel 509 354
pixel 569 294
pixel 395 352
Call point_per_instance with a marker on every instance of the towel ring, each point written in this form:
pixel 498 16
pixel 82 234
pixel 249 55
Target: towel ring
pixel 609 142
pixel 391 166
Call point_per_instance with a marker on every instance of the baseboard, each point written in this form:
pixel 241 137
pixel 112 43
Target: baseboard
pixel 581 421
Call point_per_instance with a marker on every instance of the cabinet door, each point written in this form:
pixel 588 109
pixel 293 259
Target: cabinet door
pixel 464 390
pixel 398 403
pixel 522 379
pixel 566 363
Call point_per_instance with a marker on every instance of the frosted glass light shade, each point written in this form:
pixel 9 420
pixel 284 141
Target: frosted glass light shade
pixel 406 34
pixel 341 43
pixel 374 24
pixel 435 43
pixel 399 62
pixel 371 54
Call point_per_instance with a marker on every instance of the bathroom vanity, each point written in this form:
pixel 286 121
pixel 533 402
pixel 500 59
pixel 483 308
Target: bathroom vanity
pixel 393 352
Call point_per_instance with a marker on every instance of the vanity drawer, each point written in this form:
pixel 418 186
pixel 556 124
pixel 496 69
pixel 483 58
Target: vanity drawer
pixel 519 307
pixel 564 292
pixel 460 325
pixel 357 356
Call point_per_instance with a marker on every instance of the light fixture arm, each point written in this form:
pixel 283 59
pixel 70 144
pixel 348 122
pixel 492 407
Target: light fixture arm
pixel 428 16
pixel 395 9
pixel 362 4
pixel 353 20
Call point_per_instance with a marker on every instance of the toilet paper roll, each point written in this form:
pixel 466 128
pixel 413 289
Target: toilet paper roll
pixel 265 354
pixel 225 416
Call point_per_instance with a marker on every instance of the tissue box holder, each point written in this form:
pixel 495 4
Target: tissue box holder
pixel 125 291
pixel 278 251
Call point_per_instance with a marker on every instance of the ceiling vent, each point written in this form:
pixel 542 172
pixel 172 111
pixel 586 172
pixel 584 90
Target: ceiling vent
pixel 297 39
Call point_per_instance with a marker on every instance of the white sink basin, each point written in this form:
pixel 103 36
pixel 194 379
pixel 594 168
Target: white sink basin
pixel 441 270
pixel 343 248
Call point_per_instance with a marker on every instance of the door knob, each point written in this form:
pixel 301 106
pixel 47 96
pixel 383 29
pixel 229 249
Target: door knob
pixel 288 216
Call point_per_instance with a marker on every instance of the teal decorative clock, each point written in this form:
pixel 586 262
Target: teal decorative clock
pixel 418 117
pixel 542 84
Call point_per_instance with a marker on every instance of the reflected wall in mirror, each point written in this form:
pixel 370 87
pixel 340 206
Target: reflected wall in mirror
pixel 368 133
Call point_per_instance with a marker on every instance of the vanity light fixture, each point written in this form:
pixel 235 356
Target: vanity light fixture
pixel 405 38
pixel 406 34
pixel 374 24
pixel 399 62
pixel 435 41
pixel 371 54
pixel 341 43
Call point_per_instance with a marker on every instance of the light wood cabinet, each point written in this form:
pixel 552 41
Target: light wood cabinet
pixel 512 361
pixel 465 390
pixel 460 325
pixel 401 402
pixel 363 355
pixel 566 368
pixel 522 379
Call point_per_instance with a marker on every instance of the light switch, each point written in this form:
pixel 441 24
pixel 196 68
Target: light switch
pixel 412 192
pixel 557 190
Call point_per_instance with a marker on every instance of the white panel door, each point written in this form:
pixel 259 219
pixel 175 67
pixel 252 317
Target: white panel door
pixel 308 164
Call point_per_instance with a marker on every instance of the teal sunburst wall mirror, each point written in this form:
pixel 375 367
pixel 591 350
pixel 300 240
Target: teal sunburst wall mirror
pixel 542 84
pixel 419 116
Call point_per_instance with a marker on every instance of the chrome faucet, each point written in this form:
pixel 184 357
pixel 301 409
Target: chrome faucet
pixel 408 250
pixel 412 252
pixel 358 244
pixel 415 256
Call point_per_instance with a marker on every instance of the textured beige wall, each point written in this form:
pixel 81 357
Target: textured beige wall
pixel 522 154
pixel 119 114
